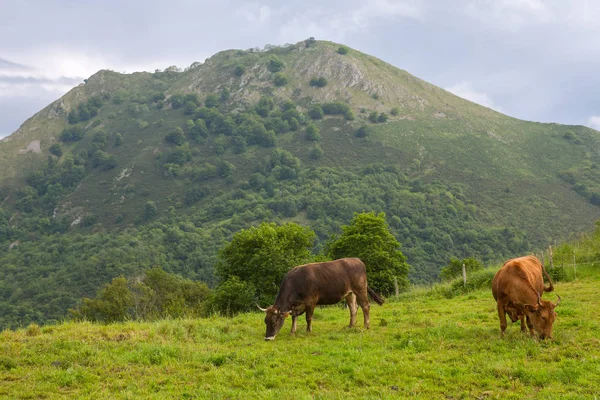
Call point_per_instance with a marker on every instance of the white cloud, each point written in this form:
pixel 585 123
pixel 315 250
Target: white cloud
pixel 465 90
pixel 255 13
pixel 594 122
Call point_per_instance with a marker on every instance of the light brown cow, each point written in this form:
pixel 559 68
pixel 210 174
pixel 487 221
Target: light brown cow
pixel 517 288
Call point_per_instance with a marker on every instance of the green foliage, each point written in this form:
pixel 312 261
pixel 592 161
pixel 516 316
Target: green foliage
pixel 373 116
pixel 480 279
pixel 239 70
pixel 316 111
pixel 279 79
pixel 318 82
pixel 312 133
pixel 176 136
pixel 118 140
pixel 72 134
pixel 56 150
pixel 362 132
pixel 86 110
pixel 150 210
pixel 264 106
pixel 275 64
pixel 382 117
pixel 368 237
pixel 454 268
pixel 212 100
pixel 343 50
pixel 395 111
pixel 232 297
pixel 157 294
pixel 103 160
pixel 310 41
pixel 316 152
pixel 262 255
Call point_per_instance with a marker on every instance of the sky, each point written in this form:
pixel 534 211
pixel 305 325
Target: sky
pixel 537 60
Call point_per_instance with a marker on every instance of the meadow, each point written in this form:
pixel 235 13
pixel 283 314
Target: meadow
pixel 420 345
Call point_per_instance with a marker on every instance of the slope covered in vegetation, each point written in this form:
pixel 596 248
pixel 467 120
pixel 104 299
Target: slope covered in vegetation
pixel 161 169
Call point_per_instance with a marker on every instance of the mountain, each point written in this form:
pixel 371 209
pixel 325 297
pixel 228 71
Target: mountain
pixel 128 171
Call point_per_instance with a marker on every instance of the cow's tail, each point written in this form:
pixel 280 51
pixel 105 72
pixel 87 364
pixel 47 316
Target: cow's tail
pixel 378 299
pixel 551 287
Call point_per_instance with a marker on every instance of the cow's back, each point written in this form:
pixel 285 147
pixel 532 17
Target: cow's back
pixel 327 282
pixel 519 281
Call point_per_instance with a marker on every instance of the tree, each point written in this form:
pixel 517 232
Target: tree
pixel 343 50
pixel 176 136
pixel 318 82
pixel 233 296
pixel 373 116
pixel 239 70
pixel 279 79
pixel 316 112
pixel 382 117
pixel 363 131
pixel 56 150
pixel 275 64
pixel 118 140
pixel 316 152
pixel 262 255
pixel 150 210
pixel 368 237
pixel 212 100
pixel 312 133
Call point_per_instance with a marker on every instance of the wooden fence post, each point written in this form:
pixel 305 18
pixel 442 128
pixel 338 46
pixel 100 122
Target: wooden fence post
pixel 464 275
pixel 396 286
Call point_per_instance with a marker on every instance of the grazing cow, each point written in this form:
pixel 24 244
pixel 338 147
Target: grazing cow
pixel 517 288
pixel 306 286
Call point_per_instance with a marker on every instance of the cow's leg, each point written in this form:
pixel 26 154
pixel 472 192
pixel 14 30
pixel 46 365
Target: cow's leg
pixel 530 326
pixel 351 300
pixel 309 314
pixel 294 323
pixel 502 317
pixel 522 318
pixel 363 302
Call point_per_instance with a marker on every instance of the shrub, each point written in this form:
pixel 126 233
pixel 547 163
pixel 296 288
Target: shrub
pixel 312 133
pixel 343 50
pixel 280 79
pixel 233 296
pixel 71 134
pixel 318 82
pixel 275 64
pixel 176 136
pixel 316 112
pixel 239 70
pixel 56 150
pixel 363 131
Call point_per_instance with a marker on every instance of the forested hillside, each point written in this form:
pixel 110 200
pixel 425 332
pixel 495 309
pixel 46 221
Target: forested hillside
pixel 129 172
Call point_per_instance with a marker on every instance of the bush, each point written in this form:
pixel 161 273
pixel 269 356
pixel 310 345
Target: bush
pixel 239 70
pixel 343 50
pixel 478 280
pixel 232 296
pixel 275 64
pixel 280 79
pixel 362 132
pixel 316 112
pixel 454 268
pixel 312 133
pixel 557 273
pixel 72 134
pixel 176 136
pixel 56 150
pixel 318 82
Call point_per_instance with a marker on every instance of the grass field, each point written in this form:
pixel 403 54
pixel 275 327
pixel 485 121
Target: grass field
pixel 419 345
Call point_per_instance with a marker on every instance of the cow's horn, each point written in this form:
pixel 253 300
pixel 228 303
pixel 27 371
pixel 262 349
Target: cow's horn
pixel 539 300
pixel 557 301
pixel 260 308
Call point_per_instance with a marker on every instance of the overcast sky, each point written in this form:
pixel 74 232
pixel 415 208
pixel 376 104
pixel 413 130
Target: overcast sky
pixel 537 60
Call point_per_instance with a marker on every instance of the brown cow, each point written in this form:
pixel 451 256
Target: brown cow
pixel 306 286
pixel 517 288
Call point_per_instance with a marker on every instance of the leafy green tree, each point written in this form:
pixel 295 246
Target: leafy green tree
pixel 56 150
pixel 265 106
pixel 368 237
pixel 177 100
pixel 275 64
pixel 395 111
pixel 279 79
pixel 316 152
pixel 373 116
pixel 382 117
pixel 212 100
pixel 224 95
pixel 239 70
pixel 318 82
pixel 262 255
pixel 150 210
pixel 118 140
pixel 312 133
pixel 316 112
pixel 176 136
pixel 72 134
pixel 362 132
pixel 233 296
pixel 294 124
pixel 454 268
pixel 343 50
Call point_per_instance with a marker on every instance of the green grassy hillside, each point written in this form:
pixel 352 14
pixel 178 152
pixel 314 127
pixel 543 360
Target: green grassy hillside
pixel 421 345
pixel 177 161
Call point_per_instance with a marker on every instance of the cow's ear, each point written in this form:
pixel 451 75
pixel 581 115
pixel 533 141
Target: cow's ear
pixel 531 307
pixel 286 314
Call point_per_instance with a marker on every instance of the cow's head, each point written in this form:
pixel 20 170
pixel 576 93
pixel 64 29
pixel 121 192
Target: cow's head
pixel 542 316
pixel 274 320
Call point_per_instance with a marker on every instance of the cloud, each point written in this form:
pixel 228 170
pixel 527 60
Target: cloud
pixel 465 90
pixel 255 13
pixel 594 122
